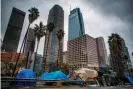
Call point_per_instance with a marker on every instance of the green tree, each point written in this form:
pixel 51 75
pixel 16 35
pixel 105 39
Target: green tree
pixel 115 47
pixel 49 30
pixel 40 31
pixel 60 34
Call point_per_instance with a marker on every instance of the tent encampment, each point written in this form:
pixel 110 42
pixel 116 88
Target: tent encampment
pixel 85 73
pixel 57 75
pixel 25 74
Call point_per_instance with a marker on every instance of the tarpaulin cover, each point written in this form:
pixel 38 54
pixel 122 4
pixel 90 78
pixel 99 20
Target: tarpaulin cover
pixel 130 80
pixel 26 73
pixel 57 75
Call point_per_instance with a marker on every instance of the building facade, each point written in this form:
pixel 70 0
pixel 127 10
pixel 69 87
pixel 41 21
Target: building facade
pixel 13 32
pixel 76 24
pixel 11 56
pixel 126 58
pixel 82 52
pixel 29 45
pixel 38 63
pixel 56 16
pixel 65 57
pixel 102 52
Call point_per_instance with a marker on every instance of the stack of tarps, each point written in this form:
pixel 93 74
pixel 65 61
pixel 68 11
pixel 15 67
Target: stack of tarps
pixel 57 75
pixel 25 74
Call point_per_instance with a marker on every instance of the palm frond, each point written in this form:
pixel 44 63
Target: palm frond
pixel 34 14
pixel 40 30
pixel 50 27
pixel 60 34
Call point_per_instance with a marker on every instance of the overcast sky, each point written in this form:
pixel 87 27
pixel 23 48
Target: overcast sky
pixel 101 17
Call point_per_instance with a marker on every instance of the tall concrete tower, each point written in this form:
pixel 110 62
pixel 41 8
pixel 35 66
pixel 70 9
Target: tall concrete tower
pixel 13 32
pixel 56 16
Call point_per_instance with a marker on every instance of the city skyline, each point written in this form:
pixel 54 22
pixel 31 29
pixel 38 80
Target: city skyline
pixel 98 20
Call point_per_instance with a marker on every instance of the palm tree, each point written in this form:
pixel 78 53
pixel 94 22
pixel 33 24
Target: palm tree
pixel 60 34
pixel 40 31
pixel 49 29
pixel 34 14
pixel 115 46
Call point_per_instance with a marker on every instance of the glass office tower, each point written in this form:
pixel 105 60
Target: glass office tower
pixel 56 16
pixel 76 24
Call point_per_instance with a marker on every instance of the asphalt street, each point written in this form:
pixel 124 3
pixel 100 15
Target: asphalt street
pixel 93 88
pixel 111 87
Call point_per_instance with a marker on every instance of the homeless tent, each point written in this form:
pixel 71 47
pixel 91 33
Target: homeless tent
pixel 130 80
pixel 85 73
pixel 26 73
pixel 57 75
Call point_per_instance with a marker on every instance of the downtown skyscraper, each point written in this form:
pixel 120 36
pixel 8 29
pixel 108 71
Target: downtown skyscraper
pixel 13 32
pixel 56 16
pixel 102 53
pixel 76 24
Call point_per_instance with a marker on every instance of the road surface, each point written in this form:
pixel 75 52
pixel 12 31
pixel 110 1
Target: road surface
pixel 76 87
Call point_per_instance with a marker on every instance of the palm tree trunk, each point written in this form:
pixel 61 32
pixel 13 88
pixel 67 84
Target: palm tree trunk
pixel 27 54
pixel 25 38
pixel 46 52
pixel 20 51
pixel 27 57
pixel 58 55
pixel 36 55
pixel 6 68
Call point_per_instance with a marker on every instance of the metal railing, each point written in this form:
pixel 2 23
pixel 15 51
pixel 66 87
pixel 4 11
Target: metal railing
pixel 7 82
pixel 5 79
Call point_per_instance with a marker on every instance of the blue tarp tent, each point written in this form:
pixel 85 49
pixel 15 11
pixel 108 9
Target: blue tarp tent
pixel 26 73
pixel 57 75
pixel 130 80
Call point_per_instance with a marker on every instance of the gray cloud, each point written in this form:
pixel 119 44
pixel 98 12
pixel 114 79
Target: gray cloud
pixel 119 9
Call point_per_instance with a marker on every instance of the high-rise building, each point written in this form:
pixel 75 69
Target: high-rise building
pixel 102 52
pixel 82 52
pixel 65 57
pixel 29 45
pixel 38 64
pixel 13 32
pixel 126 58
pixel 56 16
pixel 76 24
